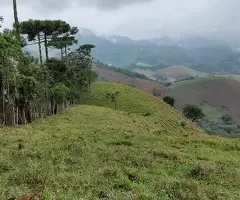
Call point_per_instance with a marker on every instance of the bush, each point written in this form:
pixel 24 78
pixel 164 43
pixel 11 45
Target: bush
pixel 193 112
pixel 169 100
pixel 227 119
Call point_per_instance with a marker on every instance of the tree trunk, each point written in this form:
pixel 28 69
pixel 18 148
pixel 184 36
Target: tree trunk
pixel 40 49
pixel 28 112
pixel 21 117
pixel 46 47
pixel 65 50
pixel 16 19
pixel 3 100
pixel 61 53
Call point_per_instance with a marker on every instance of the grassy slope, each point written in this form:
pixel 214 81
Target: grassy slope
pixel 179 72
pixel 173 73
pixel 114 76
pixel 220 92
pixel 93 152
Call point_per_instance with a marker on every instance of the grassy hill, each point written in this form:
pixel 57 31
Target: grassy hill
pixel 128 77
pixel 169 74
pixel 96 152
pixel 214 91
pixel 179 72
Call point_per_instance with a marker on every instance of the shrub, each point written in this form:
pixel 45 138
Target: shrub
pixel 227 119
pixel 169 100
pixel 193 112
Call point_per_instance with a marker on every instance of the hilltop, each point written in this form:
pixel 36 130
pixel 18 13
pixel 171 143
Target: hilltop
pixel 142 150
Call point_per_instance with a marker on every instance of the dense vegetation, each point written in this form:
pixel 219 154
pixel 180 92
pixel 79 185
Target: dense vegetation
pixel 193 112
pixel 31 90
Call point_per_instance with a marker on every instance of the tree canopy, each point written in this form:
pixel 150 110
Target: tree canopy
pixel 30 90
pixel 193 112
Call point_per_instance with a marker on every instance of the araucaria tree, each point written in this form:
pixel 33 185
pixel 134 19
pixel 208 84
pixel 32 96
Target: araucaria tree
pixel 49 33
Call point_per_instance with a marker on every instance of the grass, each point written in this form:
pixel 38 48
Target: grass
pixel 93 152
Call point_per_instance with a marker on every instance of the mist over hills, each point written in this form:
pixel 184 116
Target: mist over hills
pixel 207 41
pixel 201 53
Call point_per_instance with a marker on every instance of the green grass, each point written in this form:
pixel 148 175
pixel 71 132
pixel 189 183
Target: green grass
pixel 93 152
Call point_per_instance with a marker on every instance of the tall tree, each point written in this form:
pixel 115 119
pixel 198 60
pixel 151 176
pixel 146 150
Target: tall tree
pixel 44 31
pixel 16 22
pixel 64 39
pixel 32 28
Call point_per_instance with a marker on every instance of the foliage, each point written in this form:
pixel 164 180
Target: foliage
pixel 60 92
pixel 113 97
pixel 193 112
pixel 29 90
pixel 169 100
pixel 227 119
pixel 217 128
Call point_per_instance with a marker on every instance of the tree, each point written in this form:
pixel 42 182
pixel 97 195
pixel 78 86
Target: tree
pixel 112 96
pixel 64 39
pixel 16 22
pixel 193 112
pixel 44 31
pixel 156 93
pixel 227 119
pixel 169 100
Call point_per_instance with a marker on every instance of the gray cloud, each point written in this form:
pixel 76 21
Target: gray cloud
pixel 58 5
pixel 136 18
pixel 111 4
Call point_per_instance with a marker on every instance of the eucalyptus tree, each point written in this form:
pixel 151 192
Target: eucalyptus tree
pixel 10 54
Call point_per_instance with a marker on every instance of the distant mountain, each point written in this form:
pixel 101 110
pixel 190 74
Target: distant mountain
pixel 200 53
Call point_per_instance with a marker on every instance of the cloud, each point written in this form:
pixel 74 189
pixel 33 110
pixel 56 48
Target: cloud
pixel 111 4
pixel 56 5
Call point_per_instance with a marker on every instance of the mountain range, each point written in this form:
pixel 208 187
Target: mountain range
pixel 200 53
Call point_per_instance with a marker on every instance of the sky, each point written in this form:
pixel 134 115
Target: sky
pixel 133 18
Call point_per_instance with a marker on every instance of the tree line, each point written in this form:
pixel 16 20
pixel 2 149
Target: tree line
pixel 33 88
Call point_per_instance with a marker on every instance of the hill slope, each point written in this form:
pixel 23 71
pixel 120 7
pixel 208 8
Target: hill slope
pixel 93 152
pixel 112 75
pixel 211 90
pixel 169 74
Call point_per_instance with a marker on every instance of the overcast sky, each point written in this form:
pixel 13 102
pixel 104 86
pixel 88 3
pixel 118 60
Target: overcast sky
pixel 134 18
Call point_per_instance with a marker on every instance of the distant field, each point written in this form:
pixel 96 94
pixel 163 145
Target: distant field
pixel 179 72
pixel 210 90
pixel 112 75
pixel 171 73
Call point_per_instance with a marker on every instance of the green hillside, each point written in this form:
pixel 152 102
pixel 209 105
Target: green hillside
pixel 144 150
